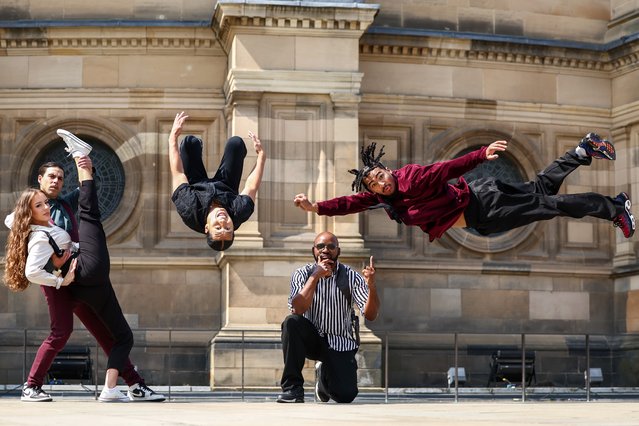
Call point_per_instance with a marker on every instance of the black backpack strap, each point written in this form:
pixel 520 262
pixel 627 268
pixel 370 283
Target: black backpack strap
pixel 56 249
pixel 342 283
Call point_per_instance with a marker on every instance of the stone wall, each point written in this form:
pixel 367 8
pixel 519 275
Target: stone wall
pixel 316 80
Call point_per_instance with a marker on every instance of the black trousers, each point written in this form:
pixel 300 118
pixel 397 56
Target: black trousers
pixel 230 170
pixel 300 340
pixel 497 206
pixel 92 284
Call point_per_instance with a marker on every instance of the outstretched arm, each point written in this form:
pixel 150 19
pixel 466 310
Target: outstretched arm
pixel 254 179
pixel 175 162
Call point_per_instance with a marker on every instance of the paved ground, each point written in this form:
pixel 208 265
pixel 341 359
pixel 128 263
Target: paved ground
pixel 75 409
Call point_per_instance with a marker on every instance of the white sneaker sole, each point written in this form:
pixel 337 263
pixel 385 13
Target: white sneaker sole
pixel 78 144
pixel 36 400
pixel 113 399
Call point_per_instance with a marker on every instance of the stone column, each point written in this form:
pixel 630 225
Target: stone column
pixel 293 78
pixel 241 113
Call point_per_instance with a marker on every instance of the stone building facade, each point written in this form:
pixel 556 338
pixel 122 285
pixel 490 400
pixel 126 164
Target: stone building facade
pixel 316 80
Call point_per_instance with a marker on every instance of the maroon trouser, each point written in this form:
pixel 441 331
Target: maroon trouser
pixel 62 306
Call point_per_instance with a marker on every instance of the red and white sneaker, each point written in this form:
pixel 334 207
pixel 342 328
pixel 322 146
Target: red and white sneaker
pixel 625 221
pixel 598 148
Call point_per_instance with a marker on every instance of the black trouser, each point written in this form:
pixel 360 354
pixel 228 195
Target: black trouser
pixel 300 340
pixel 497 206
pixel 92 284
pixel 230 170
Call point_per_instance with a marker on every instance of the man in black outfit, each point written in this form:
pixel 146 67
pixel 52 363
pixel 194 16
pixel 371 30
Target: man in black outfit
pixel 213 206
pixel 322 325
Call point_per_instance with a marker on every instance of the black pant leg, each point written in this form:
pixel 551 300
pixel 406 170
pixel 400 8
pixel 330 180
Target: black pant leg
pixel 92 284
pixel 191 155
pixel 339 375
pixel 103 301
pixel 550 179
pixel 498 207
pixel 232 164
pixel 94 264
pixel 300 340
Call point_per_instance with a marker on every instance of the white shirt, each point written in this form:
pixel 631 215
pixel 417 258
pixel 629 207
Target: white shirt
pixel 40 251
pixel 329 310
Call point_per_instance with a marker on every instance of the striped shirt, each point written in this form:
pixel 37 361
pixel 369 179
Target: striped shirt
pixel 329 311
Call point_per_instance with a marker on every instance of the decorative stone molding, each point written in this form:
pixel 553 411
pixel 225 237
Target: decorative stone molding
pixel 617 59
pixel 76 40
pixel 346 19
pixel 292 81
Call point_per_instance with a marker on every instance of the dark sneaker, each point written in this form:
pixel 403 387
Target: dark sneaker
pixel 34 394
pixel 598 148
pixel 291 395
pixel 320 395
pixel 139 392
pixel 625 221
pixel 75 146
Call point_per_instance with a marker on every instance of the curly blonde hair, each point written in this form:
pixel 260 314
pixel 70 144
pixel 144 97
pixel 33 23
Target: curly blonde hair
pixel 17 243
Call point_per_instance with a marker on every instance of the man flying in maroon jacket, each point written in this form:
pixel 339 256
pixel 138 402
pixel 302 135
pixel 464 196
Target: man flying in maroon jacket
pixel 422 196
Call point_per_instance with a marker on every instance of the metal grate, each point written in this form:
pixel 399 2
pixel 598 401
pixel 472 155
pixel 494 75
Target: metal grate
pixel 109 177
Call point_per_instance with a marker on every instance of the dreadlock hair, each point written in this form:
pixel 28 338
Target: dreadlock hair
pixel 370 162
pixel 17 243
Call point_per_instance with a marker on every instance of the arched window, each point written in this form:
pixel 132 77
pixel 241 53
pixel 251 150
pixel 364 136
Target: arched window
pixel 108 168
pixel 504 168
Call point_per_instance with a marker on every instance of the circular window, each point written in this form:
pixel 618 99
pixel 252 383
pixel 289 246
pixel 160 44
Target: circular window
pixel 109 175
pixel 503 169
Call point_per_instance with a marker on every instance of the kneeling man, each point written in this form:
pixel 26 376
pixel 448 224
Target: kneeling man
pixel 323 326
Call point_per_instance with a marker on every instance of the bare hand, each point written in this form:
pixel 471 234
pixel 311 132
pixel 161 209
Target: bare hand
pixel 70 276
pixel 257 144
pixel 369 273
pixel 84 162
pixel 324 268
pixel 493 148
pixel 180 118
pixel 58 261
pixel 302 202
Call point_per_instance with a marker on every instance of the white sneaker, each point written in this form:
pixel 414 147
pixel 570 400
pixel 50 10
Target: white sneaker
pixel 140 393
pixel 75 146
pixel 112 395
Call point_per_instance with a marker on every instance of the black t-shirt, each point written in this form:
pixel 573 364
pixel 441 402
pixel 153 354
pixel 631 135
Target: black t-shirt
pixel 193 202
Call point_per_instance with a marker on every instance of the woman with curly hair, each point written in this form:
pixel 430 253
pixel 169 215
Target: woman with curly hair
pixel 31 244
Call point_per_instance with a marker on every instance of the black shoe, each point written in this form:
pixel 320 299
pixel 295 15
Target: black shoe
pixel 34 394
pixel 320 395
pixel 291 395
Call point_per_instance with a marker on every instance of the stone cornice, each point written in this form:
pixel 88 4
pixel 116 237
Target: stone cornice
pixel 88 41
pixel 292 81
pixel 310 18
pixel 440 50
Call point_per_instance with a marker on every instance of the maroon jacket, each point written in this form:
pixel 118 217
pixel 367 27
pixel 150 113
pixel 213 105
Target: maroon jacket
pixel 423 198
